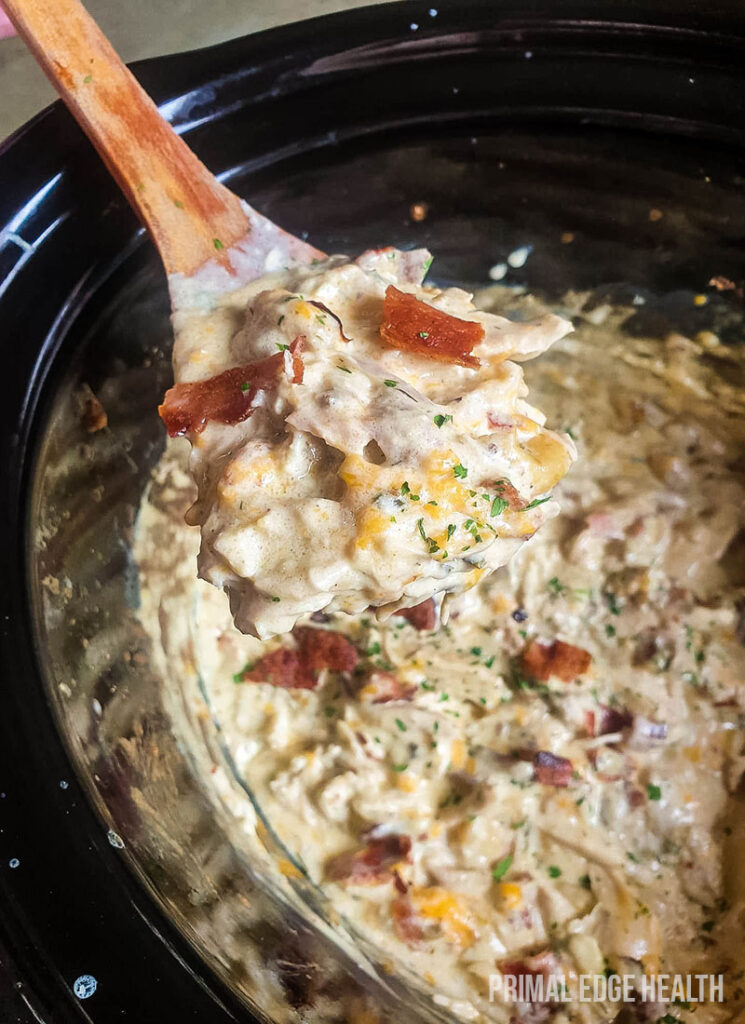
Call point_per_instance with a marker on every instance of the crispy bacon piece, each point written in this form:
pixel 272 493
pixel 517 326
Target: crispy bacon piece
pixel 405 924
pixel 510 494
pixel 552 770
pixel 542 965
pixel 385 688
pixel 372 864
pixel 421 616
pixel 227 397
pixel 542 661
pixel 411 325
pixel 280 668
pixel 299 668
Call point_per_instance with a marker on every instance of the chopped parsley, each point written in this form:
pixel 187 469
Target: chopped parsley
pixel 401 725
pixel 275 600
pixel 610 630
pixel 432 545
pixel 554 871
pixel 217 243
pixel 282 348
pixel 399 767
pixel 423 334
pixel 390 383
pixel 654 792
pixel 537 501
pixel 245 386
pixel 460 472
pixel 613 606
pixel 502 868
pixel 441 420
pixel 555 586
pixel 498 506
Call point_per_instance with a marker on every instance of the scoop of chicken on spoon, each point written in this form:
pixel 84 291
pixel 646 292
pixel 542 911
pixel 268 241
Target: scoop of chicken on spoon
pixel 359 439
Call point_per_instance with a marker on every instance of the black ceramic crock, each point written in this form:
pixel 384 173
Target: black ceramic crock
pixel 515 123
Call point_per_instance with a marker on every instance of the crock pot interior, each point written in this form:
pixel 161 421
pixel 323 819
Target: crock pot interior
pixel 337 139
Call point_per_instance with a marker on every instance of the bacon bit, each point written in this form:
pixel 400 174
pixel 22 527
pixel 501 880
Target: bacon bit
pixel 93 414
pixel 372 864
pixel 299 668
pixel 228 397
pixel 385 688
pixel 614 720
pixel 296 359
pixel 414 326
pixel 398 884
pixel 552 770
pixel 542 661
pixel 497 424
pixel 279 668
pixel 505 490
pixel 421 616
pixel 635 797
pixel 405 924
pixel 332 314
pixel 723 284
pixel 542 965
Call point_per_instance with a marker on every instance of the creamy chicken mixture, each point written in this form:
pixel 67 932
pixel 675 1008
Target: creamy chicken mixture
pixel 551 783
pixel 358 439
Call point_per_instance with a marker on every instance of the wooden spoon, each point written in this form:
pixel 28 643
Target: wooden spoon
pixel 196 223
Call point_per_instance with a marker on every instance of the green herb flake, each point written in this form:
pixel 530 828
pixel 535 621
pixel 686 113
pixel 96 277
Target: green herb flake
pixel 460 472
pixel 423 334
pixel 654 792
pixel 503 866
pixel 400 725
pixel 498 506
pixel 441 420
pixel 245 386
pixel 537 501
pixel 217 244
pixel 554 871
pixel 399 767
pixel 373 649
pixel 390 383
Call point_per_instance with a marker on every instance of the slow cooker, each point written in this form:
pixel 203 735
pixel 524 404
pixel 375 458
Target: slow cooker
pixel 127 891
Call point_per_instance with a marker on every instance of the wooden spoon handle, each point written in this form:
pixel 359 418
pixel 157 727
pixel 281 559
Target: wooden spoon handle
pixel 190 215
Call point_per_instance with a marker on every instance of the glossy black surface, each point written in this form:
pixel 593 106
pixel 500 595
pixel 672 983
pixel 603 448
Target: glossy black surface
pixel 514 125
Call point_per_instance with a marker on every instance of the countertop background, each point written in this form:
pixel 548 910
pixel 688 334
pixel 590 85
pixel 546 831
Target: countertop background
pixel 147 28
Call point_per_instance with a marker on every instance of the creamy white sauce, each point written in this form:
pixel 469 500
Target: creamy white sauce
pixel 372 482
pixel 637 864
